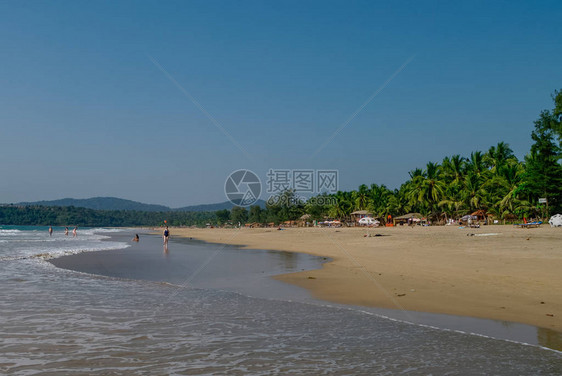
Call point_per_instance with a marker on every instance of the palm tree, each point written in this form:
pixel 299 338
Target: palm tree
pixel 475 163
pixel 473 193
pixel 453 168
pixel 379 195
pixel 498 156
pixel 400 202
pixel 415 173
pixel 452 203
pixel 361 197
pixel 343 207
pixel 511 180
pixel 427 189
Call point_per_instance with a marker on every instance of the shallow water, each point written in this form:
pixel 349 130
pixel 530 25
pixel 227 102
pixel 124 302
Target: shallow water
pixel 56 321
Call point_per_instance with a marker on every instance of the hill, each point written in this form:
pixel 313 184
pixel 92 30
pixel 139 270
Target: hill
pixel 100 203
pixel 114 203
pixel 214 207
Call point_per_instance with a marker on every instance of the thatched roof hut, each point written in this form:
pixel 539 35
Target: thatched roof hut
pixel 358 214
pixel 480 214
pixel 410 215
pixel 416 217
pixel 361 212
pixel 304 220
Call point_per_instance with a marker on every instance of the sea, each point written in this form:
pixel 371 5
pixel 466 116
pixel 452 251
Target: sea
pixel 206 309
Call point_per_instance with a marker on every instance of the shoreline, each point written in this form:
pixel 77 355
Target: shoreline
pixel 193 263
pixel 500 273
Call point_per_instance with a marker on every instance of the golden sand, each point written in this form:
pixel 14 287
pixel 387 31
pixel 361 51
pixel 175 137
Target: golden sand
pixel 513 274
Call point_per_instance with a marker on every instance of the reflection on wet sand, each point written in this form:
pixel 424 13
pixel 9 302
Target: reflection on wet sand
pixel 549 338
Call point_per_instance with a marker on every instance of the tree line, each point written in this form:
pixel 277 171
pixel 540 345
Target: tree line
pixel 74 216
pixel 494 181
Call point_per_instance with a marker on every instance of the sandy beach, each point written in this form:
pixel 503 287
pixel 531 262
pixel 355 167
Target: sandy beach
pixel 495 272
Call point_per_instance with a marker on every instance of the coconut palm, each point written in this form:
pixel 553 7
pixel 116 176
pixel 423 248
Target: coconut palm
pixel 452 203
pixel 473 193
pixel 379 195
pixel 343 207
pixel 361 197
pixel 511 177
pixel 498 156
pixel 427 189
pixel 453 168
pixel 475 163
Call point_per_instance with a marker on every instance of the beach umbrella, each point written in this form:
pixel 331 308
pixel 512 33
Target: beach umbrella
pixel 556 220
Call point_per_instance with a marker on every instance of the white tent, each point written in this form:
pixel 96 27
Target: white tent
pixel 556 220
pixel 368 221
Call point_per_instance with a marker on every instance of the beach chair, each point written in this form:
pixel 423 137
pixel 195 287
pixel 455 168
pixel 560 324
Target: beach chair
pixel 529 224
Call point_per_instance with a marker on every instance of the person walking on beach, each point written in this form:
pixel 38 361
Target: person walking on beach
pixel 66 231
pixel 50 231
pixel 74 231
pixel 166 235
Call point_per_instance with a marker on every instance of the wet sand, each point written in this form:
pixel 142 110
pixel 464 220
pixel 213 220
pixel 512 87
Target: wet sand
pixel 192 263
pixel 495 272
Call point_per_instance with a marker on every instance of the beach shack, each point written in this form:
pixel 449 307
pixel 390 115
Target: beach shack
pixel 481 215
pixel 253 225
pixel 414 218
pixel 304 220
pixel 289 224
pixel 358 214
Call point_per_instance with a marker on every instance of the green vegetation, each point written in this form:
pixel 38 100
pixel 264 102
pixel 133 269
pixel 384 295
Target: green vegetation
pixel 100 203
pixel 494 181
pixel 72 216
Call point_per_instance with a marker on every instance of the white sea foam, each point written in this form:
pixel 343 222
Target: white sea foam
pixel 70 322
pixel 4 232
pixel 19 244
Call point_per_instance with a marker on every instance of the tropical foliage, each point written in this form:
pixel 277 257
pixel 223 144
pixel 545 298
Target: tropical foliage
pixel 72 216
pixel 494 181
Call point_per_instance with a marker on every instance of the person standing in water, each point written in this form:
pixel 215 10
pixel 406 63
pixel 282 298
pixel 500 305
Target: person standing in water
pixel 66 231
pixel 166 235
pixel 74 231
pixel 50 231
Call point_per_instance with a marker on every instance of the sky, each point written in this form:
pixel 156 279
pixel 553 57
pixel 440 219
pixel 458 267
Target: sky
pixel 159 101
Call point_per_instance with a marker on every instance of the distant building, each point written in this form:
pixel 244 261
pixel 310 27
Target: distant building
pixel 357 215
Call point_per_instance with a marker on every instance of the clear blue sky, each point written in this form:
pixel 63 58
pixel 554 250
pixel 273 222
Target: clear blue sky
pixel 84 111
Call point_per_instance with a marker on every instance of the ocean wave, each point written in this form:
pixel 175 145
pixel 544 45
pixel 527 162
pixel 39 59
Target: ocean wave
pixel 9 232
pixel 103 229
pixel 55 253
pixel 98 230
